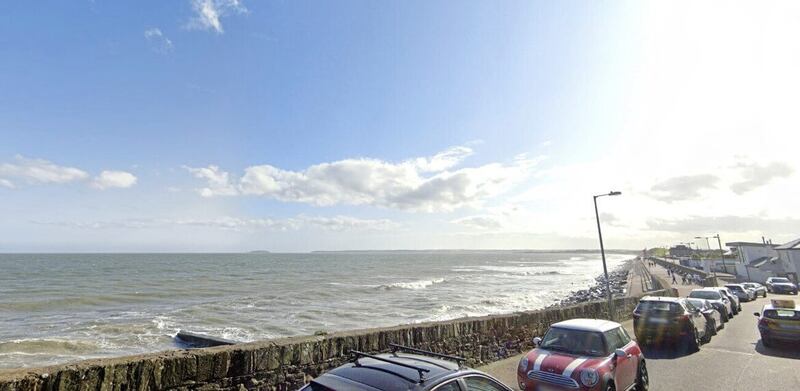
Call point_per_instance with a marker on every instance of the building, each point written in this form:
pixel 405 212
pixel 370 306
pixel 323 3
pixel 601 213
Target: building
pixel 681 251
pixel 756 261
pixel 789 255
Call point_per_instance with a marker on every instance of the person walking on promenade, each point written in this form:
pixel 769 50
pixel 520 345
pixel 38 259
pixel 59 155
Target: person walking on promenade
pixel 673 279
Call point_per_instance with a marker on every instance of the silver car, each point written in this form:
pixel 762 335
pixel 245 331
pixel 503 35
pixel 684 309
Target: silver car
pixel 742 292
pixel 713 316
pixel 718 300
pixel 760 290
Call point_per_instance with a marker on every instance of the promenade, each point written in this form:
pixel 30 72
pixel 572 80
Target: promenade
pixel 735 359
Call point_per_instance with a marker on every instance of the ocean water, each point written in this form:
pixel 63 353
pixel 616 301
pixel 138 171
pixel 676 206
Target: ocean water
pixel 56 308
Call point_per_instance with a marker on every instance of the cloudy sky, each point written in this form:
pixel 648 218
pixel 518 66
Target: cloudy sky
pixel 236 125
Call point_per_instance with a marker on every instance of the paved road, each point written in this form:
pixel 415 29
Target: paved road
pixel 733 360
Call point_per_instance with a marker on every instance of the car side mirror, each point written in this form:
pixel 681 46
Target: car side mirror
pixel 620 353
pixel 756 313
pixel 537 341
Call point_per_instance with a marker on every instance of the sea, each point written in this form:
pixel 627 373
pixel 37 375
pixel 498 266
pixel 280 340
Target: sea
pixel 58 308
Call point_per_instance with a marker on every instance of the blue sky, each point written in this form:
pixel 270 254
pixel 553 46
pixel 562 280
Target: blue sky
pixel 224 125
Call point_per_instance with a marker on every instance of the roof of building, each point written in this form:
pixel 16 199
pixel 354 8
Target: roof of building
pixel 793 245
pixel 600 325
pixel 761 261
pixel 753 244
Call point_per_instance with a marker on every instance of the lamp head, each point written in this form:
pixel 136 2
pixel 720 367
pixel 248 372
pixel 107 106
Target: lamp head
pixel 615 193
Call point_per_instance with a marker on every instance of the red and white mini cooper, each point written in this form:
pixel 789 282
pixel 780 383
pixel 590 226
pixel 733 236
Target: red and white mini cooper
pixel 584 354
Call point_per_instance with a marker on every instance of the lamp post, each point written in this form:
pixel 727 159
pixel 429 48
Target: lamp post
pixel 722 254
pixel 708 246
pixel 603 251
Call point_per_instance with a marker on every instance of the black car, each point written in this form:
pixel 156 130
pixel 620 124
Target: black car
pixel 781 285
pixel 404 369
pixel 658 319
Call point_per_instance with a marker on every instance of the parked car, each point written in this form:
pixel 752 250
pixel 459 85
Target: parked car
pixel 713 316
pixel 669 318
pixel 584 354
pixel 737 305
pixel 743 293
pixel 779 321
pixel 761 290
pixel 781 285
pixel 404 369
pixel 720 301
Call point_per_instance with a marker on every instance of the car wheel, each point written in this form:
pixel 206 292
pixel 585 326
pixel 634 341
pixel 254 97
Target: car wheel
pixel 693 341
pixel 713 329
pixel 766 342
pixel 609 387
pixel 642 378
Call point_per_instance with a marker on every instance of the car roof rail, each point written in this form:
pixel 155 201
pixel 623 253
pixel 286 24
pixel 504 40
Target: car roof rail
pixel 457 359
pixel 421 371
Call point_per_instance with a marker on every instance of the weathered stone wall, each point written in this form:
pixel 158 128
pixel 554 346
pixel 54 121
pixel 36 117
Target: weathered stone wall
pixel 286 364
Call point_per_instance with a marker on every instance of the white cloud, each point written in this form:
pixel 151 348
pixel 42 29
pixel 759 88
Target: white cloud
pixel 683 188
pixel 335 223
pixel 479 222
pixel 110 179
pixel 219 183
pixel 208 13
pixel 158 41
pixel 38 171
pixel 423 184
pixel 755 175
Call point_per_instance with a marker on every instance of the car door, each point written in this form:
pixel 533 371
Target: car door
pixel 625 369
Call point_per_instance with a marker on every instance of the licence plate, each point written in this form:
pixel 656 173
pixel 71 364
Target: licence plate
pixel 657 320
pixel 544 387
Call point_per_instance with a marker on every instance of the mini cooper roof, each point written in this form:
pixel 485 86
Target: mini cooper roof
pixel 600 325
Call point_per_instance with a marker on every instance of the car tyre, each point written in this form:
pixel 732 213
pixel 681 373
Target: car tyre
pixel 712 330
pixel 766 342
pixel 642 377
pixel 693 341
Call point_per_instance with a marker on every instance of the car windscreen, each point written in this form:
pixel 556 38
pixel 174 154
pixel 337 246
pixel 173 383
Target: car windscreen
pixel 574 341
pixel 780 280
pixel 708 295
pixel 734 288
pixel 782 314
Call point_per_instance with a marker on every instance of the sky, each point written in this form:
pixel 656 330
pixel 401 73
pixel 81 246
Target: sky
pixel 239 125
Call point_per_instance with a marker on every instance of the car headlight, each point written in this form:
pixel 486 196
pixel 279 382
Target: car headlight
pixel 589 377
pixel 523 364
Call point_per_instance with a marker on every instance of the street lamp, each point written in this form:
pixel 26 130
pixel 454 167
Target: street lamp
pixel 722 254
pixel 708 246
pixel 603 251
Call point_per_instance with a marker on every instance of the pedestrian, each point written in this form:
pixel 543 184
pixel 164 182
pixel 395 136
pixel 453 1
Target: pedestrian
pixel 673 279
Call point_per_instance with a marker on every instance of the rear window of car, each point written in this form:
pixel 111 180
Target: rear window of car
pixel 658 307
pixel 734 287
pixel 779 280
pixel 708 295
pixel 782 314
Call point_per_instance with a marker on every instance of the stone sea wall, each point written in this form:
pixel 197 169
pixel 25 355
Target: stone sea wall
pixel 288 363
